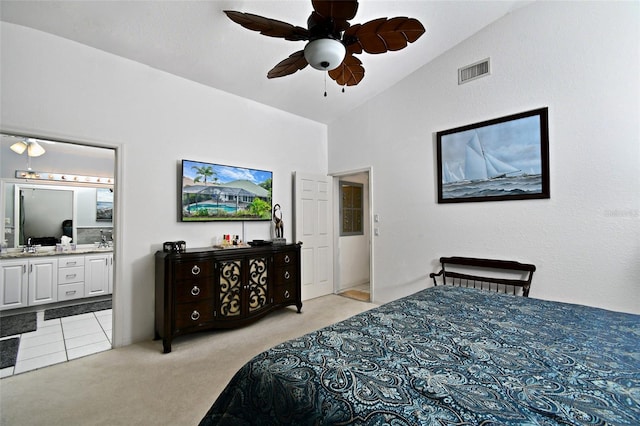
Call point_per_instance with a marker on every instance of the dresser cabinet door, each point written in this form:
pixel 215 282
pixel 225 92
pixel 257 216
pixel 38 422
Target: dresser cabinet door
pixel 229 288
pixel 257 288
pixel 242 286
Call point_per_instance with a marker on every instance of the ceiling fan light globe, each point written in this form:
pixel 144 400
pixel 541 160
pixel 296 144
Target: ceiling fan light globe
pixel 19 147
pixel 324 54
pixel 35 149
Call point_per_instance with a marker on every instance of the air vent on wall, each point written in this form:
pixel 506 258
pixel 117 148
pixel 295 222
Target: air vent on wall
pixel 473 71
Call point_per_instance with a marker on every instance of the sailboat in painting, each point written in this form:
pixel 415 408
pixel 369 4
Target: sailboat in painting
pixel 480 165
pixel 482 175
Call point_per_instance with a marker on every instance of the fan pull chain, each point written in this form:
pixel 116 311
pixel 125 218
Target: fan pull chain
pixel 325 85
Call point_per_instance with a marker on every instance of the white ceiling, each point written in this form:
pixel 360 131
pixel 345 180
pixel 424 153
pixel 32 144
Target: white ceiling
pixel 195 40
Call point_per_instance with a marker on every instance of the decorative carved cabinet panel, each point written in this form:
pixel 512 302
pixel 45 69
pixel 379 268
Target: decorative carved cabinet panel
pixel 202 289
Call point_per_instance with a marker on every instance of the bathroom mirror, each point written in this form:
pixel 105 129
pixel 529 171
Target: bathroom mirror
pixel 43 214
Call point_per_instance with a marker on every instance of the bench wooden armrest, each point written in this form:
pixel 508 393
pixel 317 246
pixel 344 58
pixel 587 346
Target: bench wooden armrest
pixel 485 282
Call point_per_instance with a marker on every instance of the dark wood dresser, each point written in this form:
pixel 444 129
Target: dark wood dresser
pixel 208 288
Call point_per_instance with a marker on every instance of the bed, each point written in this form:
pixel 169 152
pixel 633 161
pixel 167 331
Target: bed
pixel 447 356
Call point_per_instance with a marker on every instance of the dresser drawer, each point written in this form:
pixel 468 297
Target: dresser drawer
pixel 70 261
pixel 285 258
pixel 70 291
pixel 193 314
pixel 284 293
pixel 285 275
pixel 186 270
pixel 71 275
pixel 193 290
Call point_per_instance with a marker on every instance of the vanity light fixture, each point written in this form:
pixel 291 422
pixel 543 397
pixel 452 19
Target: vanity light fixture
pixel 33 148
pixel 60 177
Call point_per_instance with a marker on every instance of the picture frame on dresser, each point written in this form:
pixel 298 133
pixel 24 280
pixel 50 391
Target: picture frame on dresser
pixel 500 159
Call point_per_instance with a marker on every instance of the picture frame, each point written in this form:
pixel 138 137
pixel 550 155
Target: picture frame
pixel 501 159
pixel 104 204
pixel 215 192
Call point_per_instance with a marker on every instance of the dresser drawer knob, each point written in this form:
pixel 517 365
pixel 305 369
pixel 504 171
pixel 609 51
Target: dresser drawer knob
pixel 70 276
pixel 195 315
pixel 195 270
pixel 287 275
pixel 286 294
pixel 195 290
pixel 286 258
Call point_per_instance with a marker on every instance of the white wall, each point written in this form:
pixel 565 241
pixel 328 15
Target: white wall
pixel 57 88
pixel 581 59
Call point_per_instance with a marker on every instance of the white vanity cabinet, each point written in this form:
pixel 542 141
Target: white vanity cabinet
pixel 14 283
pixel 43 280
pixel 97 274
pixel 37 280
pixel 28 282
pixel 70 277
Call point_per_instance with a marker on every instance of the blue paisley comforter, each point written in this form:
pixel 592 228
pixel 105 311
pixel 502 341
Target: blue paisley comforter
pixel 447 356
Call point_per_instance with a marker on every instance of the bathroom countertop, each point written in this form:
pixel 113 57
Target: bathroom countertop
pixel 17 253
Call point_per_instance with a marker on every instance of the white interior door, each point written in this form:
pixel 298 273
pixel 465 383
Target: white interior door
pixel 313 227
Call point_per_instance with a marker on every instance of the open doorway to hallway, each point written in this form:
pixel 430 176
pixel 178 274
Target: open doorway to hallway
pixel 353 235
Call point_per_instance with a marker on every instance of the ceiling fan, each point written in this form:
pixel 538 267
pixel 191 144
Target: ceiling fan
pixel 332 40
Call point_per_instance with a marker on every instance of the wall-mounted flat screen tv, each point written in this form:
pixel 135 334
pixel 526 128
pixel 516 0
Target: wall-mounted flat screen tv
pixel 215 192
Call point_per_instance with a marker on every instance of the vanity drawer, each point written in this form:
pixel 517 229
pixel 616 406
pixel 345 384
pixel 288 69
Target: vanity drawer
pixel 70 291
pixel 71 275
pixel 70 261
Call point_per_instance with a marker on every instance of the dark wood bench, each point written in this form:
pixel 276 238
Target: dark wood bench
pixel 461 271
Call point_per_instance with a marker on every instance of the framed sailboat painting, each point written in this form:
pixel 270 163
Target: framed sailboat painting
pixel 505 158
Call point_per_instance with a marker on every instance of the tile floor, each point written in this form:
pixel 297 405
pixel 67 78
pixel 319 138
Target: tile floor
pixel 62 339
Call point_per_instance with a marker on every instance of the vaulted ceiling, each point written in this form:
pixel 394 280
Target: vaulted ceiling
pixel 195 40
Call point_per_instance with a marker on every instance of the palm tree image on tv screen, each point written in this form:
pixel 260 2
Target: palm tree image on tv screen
pixel 215 192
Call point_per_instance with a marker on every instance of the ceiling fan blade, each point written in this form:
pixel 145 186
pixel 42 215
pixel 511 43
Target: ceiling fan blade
pixel 339 10
pixel 293 63
pixel 267 26
pixel 332 16
pixel 349 73
pixel 382 35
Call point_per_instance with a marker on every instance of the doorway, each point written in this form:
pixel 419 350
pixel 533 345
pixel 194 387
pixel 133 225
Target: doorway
pixel 353 235
pixel 68 326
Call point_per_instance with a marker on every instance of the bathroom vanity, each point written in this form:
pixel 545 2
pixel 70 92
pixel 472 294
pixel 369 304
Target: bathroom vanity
pixel 48 276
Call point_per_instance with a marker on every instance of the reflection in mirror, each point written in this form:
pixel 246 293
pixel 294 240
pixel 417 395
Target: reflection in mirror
pixel 41 214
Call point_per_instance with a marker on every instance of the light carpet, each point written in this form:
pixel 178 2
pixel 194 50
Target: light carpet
pixel 138 384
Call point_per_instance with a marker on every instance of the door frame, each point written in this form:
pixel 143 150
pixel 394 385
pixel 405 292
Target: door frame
pixel 118 297
pixel 337 177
